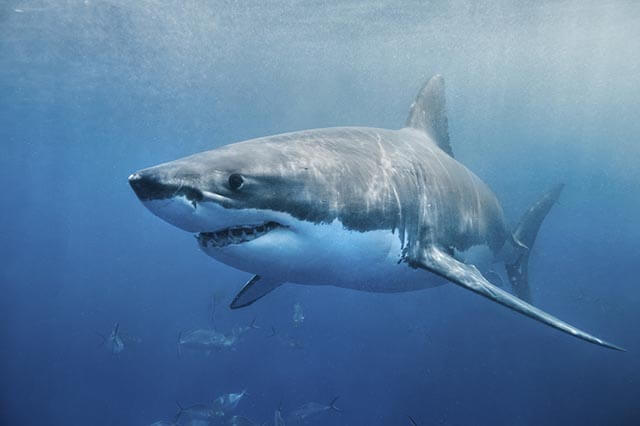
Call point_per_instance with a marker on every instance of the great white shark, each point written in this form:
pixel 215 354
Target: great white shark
pixel 356 207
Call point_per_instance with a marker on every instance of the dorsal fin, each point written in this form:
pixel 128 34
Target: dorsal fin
pixel 429 113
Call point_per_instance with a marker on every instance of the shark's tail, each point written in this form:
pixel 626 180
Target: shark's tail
pixel 523 237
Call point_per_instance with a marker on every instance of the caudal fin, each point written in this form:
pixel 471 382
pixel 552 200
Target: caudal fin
pixel 523 237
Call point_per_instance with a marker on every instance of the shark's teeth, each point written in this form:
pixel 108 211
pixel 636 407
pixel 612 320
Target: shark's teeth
pixel 235 234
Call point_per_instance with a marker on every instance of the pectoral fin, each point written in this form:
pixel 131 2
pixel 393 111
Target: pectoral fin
pixel 253 290
pixel 438 262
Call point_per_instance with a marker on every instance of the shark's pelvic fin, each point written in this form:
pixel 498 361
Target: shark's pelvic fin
pixel 253 290
pixel 429 113
pixel 523 238
pixel 437 261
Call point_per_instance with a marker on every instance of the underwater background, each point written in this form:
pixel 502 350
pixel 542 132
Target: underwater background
pixel 90 91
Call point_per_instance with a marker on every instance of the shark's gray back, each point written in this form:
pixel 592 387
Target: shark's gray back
pixel 372 179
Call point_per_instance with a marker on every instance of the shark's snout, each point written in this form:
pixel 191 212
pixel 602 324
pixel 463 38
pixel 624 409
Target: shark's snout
pixel 149 186
pixel 174 197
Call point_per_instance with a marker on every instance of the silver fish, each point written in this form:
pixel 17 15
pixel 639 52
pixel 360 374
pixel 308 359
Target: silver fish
pixel 311 409
pixel 229 401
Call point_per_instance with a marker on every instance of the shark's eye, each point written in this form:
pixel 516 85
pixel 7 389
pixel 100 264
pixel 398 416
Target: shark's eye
pixel 235 181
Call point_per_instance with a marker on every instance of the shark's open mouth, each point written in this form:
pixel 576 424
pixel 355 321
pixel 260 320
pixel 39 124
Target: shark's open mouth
pixel 235 234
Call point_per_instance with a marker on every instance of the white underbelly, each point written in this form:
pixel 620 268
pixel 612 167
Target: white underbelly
pixel 329 254
pixel 369 261
pixel 388 274
pixel 393 277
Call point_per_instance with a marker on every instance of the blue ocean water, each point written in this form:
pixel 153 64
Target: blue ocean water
pixel 92 90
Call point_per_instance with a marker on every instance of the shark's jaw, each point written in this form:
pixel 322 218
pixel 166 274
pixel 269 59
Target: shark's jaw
pixel 238 234
pixel 251 240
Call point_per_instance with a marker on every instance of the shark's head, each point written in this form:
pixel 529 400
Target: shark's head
pixel 253 205
pixel 231 188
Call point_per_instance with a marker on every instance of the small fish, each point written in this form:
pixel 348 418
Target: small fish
pixel 205 340
pixel 113 342
pixel 240 330
pixel 277 419
pixel 196 412
pixel 298 315
pixel 413 422
pixel 129 338
pixel 208 340
pixel 228 401
pixel 311 409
